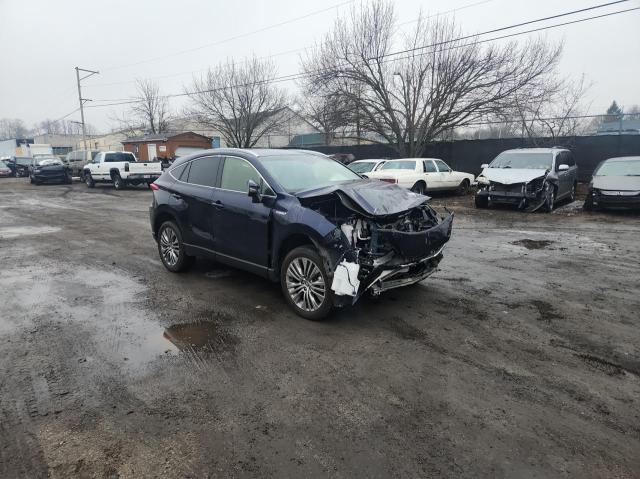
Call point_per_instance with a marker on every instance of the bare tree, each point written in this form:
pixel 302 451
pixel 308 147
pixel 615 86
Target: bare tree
pixel 550 110
pixel 239 101
pixel 151 108
pixel 12 128
pixel 329 114
pixel 435 83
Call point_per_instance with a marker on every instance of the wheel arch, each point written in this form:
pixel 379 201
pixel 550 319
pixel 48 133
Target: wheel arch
pixel 162 217
pixel 113 172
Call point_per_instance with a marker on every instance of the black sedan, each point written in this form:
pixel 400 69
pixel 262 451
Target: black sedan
pixel 615 184
pixel 296 217
pixel 49 169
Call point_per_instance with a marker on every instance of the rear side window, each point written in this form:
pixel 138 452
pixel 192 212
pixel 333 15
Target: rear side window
pixel 429 167
pixel 178 170
pixel 93 154
pixel 118 157
pixel 204 171
pixel 236 173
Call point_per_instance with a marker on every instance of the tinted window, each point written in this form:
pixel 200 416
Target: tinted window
pixel 236 173
pixel 442 166
pixel 566 158
pixel 177 171
pixel 429 167
pixel 204 171
pixel 93 154
pixel 399 165
pixel 118 157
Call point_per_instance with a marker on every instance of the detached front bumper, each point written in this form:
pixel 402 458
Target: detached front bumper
pixel 416 257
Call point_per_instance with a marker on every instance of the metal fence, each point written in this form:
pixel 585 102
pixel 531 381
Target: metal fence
pixel 468 155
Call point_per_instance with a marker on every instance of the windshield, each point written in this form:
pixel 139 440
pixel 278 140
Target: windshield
pixel 362 167
pixel 302 172
pixel 117 157
pixel 399 165
pixel 3 164
pixel 619 168
pixel 533 161
pixel 48 161
pixel 24 161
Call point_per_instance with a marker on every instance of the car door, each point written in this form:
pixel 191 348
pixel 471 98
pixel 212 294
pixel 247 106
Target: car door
pixel 192 197
pixel 433 177
pixel 564 177
pixel 242 226
pixel 449 180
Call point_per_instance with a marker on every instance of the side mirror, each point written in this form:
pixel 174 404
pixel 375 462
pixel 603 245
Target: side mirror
pixel 484 165
pixel 563 167
pixel 254 191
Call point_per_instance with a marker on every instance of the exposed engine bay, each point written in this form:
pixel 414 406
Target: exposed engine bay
pixel 379 252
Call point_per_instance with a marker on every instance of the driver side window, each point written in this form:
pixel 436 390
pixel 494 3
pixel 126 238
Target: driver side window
pixel 236 174
pixel 429 167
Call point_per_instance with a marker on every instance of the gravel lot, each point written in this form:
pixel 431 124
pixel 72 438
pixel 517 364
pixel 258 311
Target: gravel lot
pixel 520 357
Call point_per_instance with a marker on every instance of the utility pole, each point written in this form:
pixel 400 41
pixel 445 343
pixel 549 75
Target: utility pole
pixel 82 100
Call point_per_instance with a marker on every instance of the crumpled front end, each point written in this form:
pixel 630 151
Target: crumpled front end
pixel 529 195
pixel 378 253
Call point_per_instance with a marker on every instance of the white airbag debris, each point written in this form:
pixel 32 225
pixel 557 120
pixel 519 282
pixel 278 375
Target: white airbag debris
pixel 345 279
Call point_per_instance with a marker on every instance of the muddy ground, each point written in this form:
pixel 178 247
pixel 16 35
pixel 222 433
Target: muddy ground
pixel 520 357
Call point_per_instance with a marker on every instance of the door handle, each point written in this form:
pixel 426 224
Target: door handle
pixel 176 196
pixel 218 204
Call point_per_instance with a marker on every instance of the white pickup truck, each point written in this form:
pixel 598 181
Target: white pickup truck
pixel 121 169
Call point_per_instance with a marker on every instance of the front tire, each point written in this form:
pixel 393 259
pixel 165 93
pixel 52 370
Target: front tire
pixel 305 284
pixel 88 180
pixel 550 200
pixel 463 188
pixel 481 201
pixel 171 248
pixel 118 182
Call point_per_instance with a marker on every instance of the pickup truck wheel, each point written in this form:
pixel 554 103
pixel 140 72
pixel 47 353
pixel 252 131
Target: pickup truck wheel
pixel 463 188
pixel 305 284
pixel 118 182
pixel 420 187
pixel 171 248
pixel 89 181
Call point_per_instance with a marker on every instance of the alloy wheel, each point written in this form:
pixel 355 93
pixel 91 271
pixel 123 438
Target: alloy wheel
pixel 305 284
pixel 169 246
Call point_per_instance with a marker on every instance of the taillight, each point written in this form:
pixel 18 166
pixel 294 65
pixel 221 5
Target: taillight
pixel 154 187
pixel 126 167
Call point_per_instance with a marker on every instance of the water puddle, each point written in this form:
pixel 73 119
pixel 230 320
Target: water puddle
pixel 533 244
pixel 201 337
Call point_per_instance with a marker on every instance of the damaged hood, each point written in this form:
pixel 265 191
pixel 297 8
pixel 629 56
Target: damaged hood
pixel 373 197
pixel 512 176
pixel 617 183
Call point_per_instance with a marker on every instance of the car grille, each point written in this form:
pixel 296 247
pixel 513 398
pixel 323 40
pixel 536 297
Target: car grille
pixel 517 188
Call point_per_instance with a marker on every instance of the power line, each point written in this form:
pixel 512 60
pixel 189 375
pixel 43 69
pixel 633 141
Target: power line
pixel 226 40
pixel 287 52
pixel 296 76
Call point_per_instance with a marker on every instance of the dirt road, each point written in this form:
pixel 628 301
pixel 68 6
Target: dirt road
pixel 520 357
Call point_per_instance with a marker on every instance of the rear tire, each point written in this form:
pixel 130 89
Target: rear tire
pixel 88 180
pixel 171 248
pixel 588 203
pixel 420 187
pixel 481 201
pixel 305 284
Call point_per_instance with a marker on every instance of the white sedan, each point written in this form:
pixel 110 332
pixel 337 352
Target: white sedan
pixel 423 174
pixel 364 167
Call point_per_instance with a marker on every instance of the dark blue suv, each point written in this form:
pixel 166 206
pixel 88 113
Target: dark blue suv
pixel 297 217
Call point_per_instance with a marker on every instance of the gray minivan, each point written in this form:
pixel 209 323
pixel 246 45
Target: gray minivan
pixel 529 178
pixel 78 158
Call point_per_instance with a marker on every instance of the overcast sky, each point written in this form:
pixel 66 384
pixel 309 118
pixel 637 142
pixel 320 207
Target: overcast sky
pixel 41 41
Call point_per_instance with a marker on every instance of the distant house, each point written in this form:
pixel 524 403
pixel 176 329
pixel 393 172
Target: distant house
pixel 60 144
pixel 166 145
